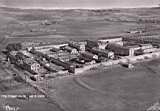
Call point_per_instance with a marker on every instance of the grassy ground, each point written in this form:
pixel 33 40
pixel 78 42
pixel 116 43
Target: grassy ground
pixel 117 89
pixel 27 25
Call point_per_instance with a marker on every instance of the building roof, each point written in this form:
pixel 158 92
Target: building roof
pixel 29 61
pixel 111 37
pixel 133 46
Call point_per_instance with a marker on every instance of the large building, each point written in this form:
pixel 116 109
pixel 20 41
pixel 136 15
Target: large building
pixel 102 43
pixel 67 66
pixel 120 50
pixel 69 49
pixel 24 62
pixel 46 65
pixel 105 41
pixel 111 40
pixel 102 52
pixel 31 65
pixel 80 46
pixel 89 55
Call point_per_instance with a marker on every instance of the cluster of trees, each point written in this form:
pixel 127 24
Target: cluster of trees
pixel 149 20
pixel 14 47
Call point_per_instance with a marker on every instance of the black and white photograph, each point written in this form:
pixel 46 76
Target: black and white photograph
pixel 79 55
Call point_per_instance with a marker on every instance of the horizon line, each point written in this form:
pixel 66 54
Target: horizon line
pixel 83 8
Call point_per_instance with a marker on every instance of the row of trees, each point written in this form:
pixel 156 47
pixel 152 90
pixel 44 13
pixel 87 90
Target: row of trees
pixel 14 47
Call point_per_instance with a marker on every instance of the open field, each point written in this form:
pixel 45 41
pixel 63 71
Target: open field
pixel 113 89
pixel 76 24
pixel 117 89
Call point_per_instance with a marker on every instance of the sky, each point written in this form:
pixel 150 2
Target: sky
pixel 79 3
